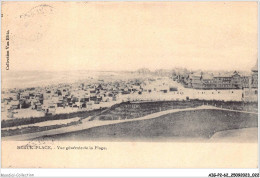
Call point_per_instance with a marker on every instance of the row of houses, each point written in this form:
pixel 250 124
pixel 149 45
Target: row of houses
pixel 77 95
pixel 80 95
pixel 86 95
pixel 200 80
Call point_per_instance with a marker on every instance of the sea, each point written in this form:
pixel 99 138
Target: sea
pixel 26 79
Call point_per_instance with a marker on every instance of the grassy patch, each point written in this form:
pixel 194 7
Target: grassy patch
pixel 186 124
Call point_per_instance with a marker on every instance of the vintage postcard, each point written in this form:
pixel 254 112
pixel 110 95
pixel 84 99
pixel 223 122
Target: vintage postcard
pixel 129 84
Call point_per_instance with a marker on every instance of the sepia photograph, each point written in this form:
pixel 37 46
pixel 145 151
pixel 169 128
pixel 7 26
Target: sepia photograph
pixel 130 74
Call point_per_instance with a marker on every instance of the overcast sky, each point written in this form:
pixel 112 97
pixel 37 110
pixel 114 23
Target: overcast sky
pixel 130 35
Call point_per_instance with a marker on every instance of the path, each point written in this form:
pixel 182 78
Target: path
pixel 86 124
